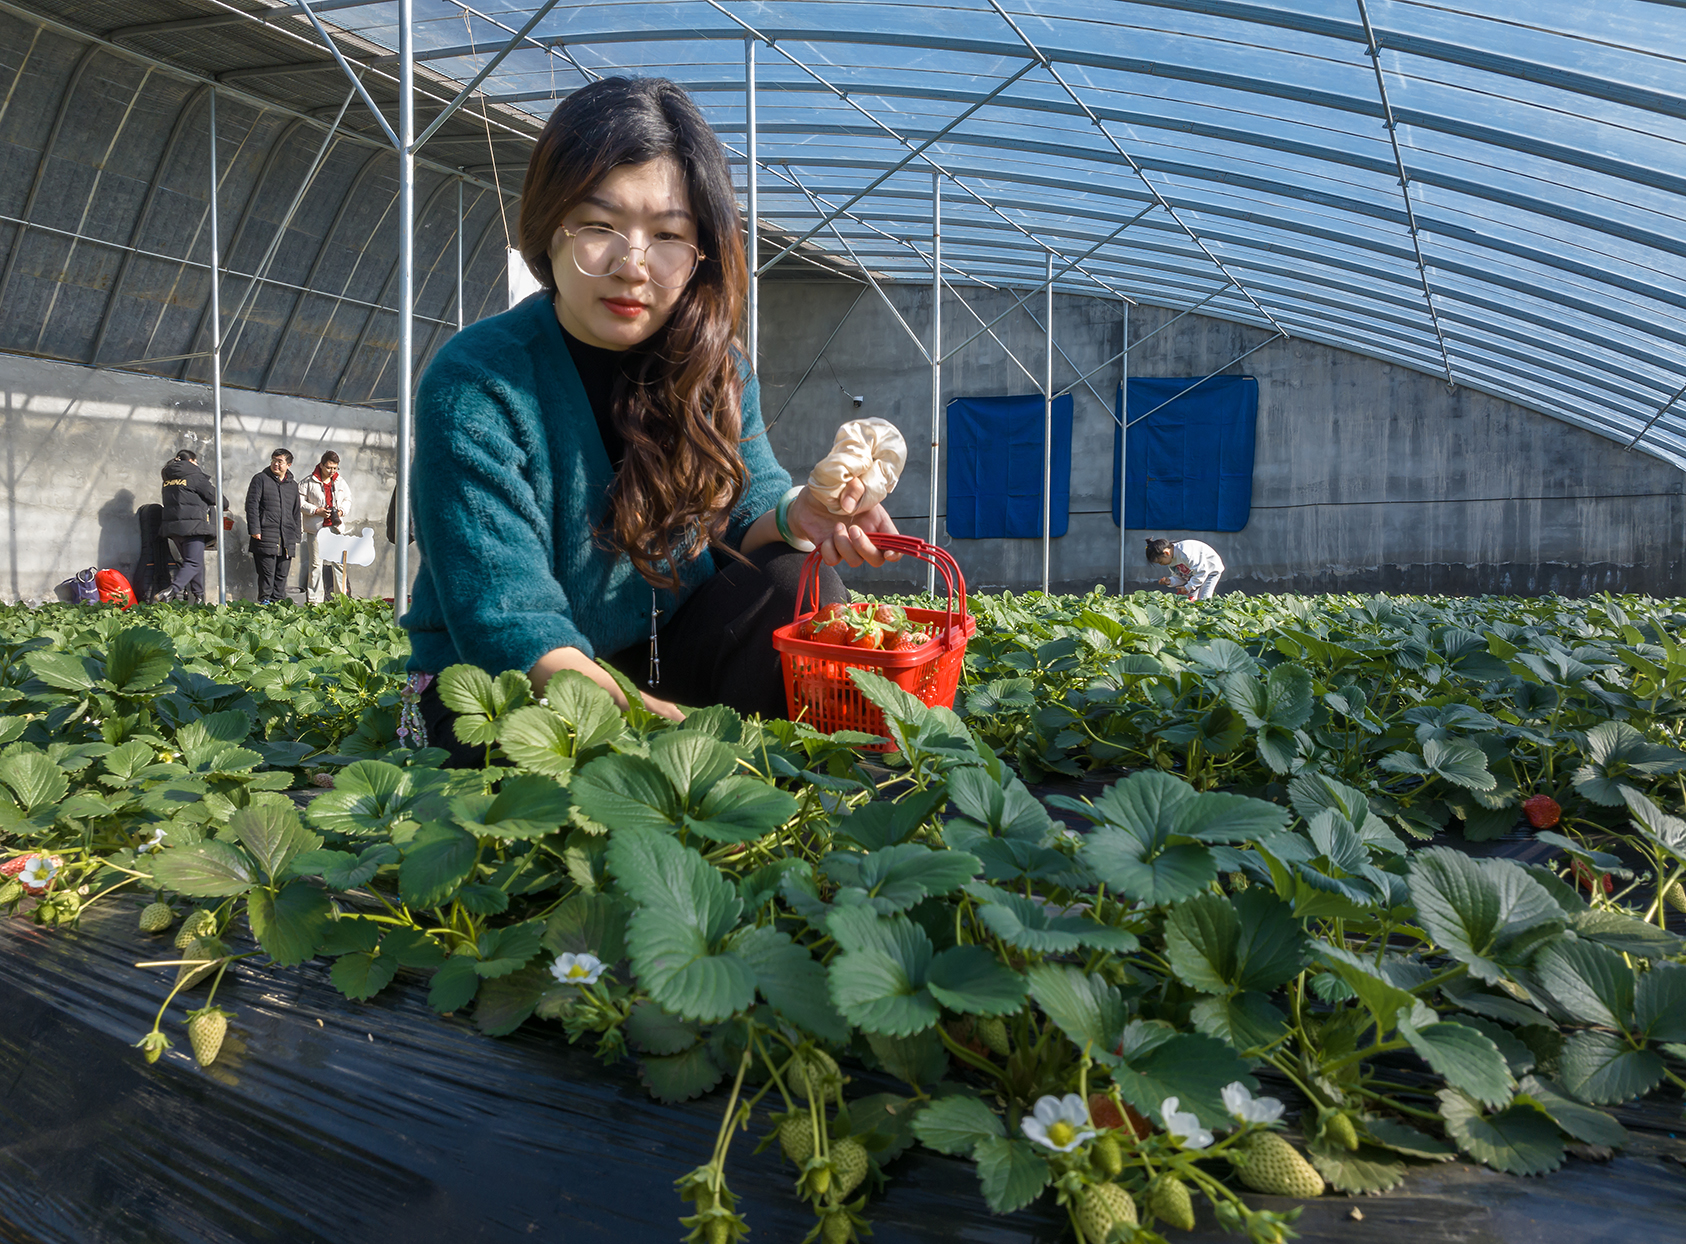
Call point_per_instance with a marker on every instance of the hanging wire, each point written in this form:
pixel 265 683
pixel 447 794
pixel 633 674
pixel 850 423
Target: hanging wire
pixel 491 153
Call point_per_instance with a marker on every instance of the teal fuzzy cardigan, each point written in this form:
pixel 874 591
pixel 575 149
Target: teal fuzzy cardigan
pixel 509 482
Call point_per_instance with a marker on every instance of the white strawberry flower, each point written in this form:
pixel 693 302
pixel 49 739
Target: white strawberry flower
pixel 1243 1106
pixel 152 844
pixel 1060 1123
pixel 38 873
pixel 1183 1127
pixel 580 969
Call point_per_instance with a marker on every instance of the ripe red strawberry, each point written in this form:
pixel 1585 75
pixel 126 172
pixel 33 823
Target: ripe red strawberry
pixel 835 631
pixel 1542 811
pixel 1104 1111
pixel 904 641
pixel 13 866
pixel 825 613
pixel 893 616
pixel 1584 877
pixel 868 635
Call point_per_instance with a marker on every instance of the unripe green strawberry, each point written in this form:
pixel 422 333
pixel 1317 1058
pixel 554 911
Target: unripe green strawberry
pixel 1675 896
pixel 156 917
pixel 206 1030
pixel 796 1139
pixel 1339 1128
pixel 837 1229
pixel 1276 1167
pixel 992 1031
pixel 1108 1156
pixel 197 925
pixel 819 1072
pixel 189 975
pixel 848 1166
pixel 1101 1207
pixel 153 1044
pixel 1169 1199
pixel 719 1231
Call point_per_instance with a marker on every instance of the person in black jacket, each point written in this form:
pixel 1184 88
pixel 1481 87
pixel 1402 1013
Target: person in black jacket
pixel 275 520
pixel 189 497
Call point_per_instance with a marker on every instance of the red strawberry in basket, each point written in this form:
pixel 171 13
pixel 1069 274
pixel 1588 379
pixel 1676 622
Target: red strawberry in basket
pixel 835 631
pixel 1542 811
pixel 904 641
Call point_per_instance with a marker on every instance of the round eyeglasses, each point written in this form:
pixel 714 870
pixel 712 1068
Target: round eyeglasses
pixel 598 251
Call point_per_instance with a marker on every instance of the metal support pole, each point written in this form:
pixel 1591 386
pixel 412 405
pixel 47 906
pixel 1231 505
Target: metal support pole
pixel 406 294
pixel 1048 426
pixel 216 362
pixel 752 246
pixel 459 254
pixel 1123 442
pixel 936 360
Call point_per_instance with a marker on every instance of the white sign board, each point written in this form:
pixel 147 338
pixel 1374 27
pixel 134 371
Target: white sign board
pixel 357 550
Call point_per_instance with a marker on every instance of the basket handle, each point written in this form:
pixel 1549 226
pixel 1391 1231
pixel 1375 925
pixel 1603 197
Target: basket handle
pixel 808 586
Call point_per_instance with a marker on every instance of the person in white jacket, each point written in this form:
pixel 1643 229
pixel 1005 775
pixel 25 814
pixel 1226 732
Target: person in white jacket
pixel 1195 567
pixel 325 499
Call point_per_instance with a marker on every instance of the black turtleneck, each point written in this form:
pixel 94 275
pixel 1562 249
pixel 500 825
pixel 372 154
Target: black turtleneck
pixel 598 369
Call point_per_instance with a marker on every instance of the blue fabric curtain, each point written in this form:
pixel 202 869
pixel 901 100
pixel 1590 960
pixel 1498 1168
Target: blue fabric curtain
pixel 1191 462
pixel 995 467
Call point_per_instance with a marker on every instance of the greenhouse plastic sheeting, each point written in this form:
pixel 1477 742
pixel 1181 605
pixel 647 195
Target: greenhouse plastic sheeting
pixel 336 1122
pixel 356 1123
pixel 1488 192
pixel 1191 453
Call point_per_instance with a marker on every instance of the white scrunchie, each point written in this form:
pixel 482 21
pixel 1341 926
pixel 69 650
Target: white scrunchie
pixel 870 450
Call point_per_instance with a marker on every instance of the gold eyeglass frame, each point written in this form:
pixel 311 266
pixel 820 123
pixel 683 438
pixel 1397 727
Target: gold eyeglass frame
pixel 644 261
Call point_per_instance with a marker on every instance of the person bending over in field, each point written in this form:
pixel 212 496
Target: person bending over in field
pixel 594 478
pixel 1195 567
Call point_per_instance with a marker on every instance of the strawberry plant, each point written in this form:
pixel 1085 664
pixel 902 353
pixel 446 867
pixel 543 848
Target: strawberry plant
pixel 1252 927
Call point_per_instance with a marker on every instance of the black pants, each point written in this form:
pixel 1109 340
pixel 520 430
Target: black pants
pixel 716 649
pixel 272 575
pixel 191 573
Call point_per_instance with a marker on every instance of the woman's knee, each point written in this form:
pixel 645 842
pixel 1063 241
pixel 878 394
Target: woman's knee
pixel 782 566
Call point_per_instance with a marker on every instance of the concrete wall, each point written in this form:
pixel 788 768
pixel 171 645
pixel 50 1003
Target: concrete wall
pixel 1367 476
pixel 82 448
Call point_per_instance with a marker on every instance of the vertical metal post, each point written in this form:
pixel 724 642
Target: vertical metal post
pixel 753 243
pixel 459 254
pixel 216 361
pixel 406 293
pixel 1048 425
pixel 936 359
pixel 1123 442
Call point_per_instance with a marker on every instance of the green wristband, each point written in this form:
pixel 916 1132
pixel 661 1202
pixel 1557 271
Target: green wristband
pixel 781 519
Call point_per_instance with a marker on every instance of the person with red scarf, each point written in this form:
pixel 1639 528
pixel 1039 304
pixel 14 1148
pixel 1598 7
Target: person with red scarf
pixel 326 499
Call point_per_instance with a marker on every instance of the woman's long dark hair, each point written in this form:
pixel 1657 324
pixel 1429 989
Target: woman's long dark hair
pixel 677 400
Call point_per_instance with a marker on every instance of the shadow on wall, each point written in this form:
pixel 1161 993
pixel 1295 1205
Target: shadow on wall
pixel 119 543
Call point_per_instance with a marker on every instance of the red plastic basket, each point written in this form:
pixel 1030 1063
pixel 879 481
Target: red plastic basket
pixel 816 681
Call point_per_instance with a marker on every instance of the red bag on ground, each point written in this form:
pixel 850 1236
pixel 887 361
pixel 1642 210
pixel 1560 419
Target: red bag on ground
pixel 113 585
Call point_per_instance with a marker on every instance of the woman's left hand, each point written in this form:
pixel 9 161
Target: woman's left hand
pixel 842 540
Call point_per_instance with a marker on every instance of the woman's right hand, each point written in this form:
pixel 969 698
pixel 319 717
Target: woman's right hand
pixel 558 659
pixel 661 707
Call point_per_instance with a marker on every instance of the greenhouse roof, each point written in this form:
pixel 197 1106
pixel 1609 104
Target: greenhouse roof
pixel 1491 192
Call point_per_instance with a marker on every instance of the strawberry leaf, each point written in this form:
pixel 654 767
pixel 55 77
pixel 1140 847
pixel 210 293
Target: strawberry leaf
pixel 954 1125
pixel 288 923
pixel 1520 1140
pixel 1012 1172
